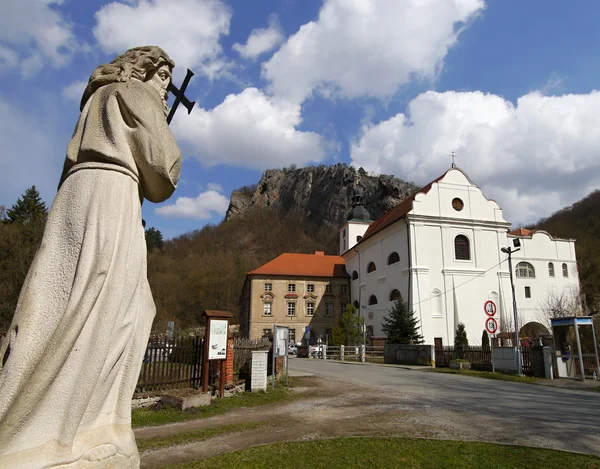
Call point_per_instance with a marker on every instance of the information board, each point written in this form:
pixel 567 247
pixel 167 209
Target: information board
pixel 281 336
pixel 217 340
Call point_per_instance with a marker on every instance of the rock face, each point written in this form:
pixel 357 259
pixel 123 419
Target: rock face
pixel 322 193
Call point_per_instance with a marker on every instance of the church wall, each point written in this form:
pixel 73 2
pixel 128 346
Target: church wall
pixel 539 250
pixel 384 279
pixel 435 271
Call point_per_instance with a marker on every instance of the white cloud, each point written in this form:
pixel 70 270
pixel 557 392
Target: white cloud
pixel 249 129
pixel 189 30
pixel 261 40
pixel 533 158
pixel 211 186
pixel 368 47
pixel 74 91
pixel 203 207
pixel 33 32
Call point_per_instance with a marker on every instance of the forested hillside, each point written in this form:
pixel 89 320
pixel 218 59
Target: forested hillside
pixel 581 221
pixel 205 269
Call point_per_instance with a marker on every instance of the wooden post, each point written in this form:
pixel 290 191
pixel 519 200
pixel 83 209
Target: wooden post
pixel 222 379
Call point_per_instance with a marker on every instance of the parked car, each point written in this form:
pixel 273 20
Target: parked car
pixel 292 349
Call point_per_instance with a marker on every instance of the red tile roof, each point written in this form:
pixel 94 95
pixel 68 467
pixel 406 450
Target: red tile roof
pixel 522 232
pixel 304 265
pixel 396 213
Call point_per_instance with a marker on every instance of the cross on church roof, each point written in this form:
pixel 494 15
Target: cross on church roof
pixel 453 156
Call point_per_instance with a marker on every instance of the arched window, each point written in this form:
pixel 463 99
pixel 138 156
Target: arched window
pixel 462 250
pixel 565 271
pixel 372 300
pixel 436 302
pixel 371 267
pixel 356 305
pixel 550 269
pixel 393 258
pixel 355 275
pixel 394 295
pixel 525 270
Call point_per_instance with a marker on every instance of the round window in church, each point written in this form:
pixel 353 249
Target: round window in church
pixel 457 204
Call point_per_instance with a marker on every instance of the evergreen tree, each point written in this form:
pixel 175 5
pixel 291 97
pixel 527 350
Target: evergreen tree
pixel 401 326
pixel 154 239
pixel 485 340
pixel 349 331
pixel 28 208
pixel 460 339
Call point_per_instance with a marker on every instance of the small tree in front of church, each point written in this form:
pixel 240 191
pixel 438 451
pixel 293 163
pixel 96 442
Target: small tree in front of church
pixel 460 339
pixel 401 326
pixel 485 340
pixel 349 330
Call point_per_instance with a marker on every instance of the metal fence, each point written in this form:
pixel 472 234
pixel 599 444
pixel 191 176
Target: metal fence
pixel 480 357
pixel 171 364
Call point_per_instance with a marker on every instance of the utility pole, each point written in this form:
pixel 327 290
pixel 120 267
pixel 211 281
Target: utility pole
pixel 510 251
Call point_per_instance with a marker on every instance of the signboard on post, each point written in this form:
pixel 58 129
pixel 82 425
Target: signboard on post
pixel 490 308
pixel 217 340
pixel 281 338
pixel 215 345
pixel 280 349
pixel 491 326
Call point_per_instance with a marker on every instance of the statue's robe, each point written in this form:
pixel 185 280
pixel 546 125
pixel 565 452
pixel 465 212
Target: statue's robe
pixel 73 353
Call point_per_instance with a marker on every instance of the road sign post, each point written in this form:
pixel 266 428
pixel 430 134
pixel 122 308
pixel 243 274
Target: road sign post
pixel 491 326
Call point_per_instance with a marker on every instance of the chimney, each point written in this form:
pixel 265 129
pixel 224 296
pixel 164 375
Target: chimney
pixel 319 253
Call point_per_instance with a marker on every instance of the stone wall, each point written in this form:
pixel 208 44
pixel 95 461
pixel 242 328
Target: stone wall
pixel 409 354
pixel 259 371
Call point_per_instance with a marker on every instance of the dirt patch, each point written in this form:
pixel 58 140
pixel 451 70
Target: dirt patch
pixel 329 409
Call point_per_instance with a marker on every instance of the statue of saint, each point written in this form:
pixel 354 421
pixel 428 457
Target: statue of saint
pixel 72 357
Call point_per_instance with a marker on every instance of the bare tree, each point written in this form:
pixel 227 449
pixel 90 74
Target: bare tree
pixel 559 305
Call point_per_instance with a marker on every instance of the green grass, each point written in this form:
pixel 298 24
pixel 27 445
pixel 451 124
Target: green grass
pixel 345 453
pixel 192 436
pixel 489 375
pixel 153 417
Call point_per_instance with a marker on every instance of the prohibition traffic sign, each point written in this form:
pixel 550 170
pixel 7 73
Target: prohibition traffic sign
pixel 491 325
pixel 490 308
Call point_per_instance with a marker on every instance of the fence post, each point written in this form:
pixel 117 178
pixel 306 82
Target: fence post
pixel 341 352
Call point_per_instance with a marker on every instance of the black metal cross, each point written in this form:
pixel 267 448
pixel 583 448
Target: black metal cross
pixel 179 96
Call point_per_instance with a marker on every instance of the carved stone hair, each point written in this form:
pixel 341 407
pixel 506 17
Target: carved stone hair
pixel 135 63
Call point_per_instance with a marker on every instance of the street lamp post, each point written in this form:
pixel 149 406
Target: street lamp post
pixel 509 251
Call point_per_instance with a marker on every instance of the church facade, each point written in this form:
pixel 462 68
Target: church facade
pixel 441 249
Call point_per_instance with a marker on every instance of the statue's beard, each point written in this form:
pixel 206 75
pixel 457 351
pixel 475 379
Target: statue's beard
pixel 164 94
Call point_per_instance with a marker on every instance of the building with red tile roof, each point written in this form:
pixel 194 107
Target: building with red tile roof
pixel 299 291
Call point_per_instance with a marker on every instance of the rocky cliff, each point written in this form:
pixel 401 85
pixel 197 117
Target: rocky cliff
pixel 323 194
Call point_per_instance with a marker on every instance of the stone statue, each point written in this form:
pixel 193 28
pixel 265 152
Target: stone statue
pixel 72 357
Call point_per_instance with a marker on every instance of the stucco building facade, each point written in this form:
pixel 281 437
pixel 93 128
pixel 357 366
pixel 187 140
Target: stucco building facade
pixel 441 250
pixel 297 291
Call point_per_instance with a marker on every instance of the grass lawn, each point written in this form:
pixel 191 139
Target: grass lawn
pixel 151 417
pixel 192 436
pixel 489 375
pixel 502 377
pixel 387 453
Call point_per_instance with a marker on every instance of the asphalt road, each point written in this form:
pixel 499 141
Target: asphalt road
pixel 559 418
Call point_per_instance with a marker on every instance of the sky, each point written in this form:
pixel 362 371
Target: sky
pixel 393 86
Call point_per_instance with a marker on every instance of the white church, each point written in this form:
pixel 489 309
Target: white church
pixel 441 249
